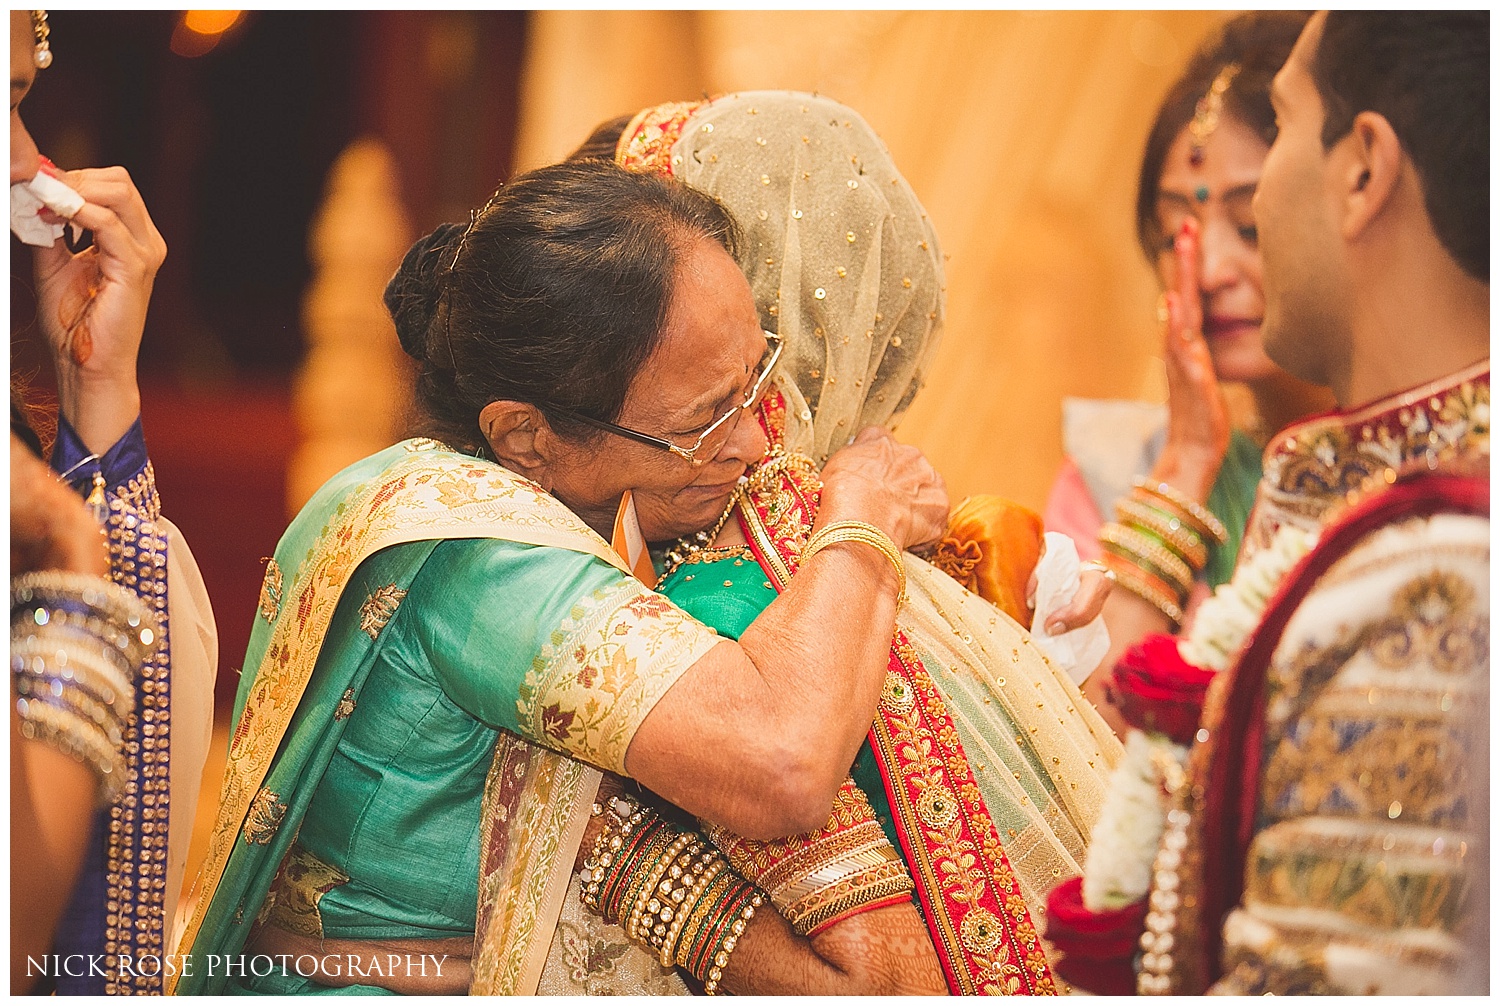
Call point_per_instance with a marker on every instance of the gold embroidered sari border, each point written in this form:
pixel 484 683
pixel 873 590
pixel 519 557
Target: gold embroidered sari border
pixel 387 510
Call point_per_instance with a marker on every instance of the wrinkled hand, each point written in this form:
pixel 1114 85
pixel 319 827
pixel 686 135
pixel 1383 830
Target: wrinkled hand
pixel 50 528
pixel 878 480
pixel 91 307
pixel 1197 418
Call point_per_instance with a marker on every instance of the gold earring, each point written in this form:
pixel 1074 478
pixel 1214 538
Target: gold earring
pixel 42 54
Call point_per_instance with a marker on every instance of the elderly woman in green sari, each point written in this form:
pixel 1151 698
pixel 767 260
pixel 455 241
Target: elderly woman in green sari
pixel 983 771
pixel 451 644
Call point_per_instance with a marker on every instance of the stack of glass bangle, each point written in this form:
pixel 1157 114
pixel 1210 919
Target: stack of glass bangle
pixel 77 643
pixel 669 888
pixel 1159 544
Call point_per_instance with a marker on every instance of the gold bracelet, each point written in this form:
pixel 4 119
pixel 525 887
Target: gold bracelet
pixel 1180 538
pixel 1167 585
pixel 1145 586
pixel 707 867
pixel 644 919
pixel 1210 525
pixel 869 534
pixel 1163 558
pixel 736 930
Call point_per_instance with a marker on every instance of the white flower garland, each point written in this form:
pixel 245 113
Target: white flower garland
pixel 1224 621
pixel 1117 869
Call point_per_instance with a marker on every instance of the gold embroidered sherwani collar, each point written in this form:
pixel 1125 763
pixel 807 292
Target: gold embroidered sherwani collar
pixel 1315 468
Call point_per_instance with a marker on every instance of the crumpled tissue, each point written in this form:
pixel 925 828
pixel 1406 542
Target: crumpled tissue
pixel 1057 580
pixel 27 199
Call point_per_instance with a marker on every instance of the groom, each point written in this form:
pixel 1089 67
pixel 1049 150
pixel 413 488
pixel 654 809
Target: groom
pixel 1330 833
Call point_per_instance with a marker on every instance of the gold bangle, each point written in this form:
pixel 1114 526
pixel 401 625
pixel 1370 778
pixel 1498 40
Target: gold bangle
pixel 1147 587
pixel 1163 558
pixel 1211 526
pixel 72 734
pixel 736 930
pixel 638 928
pixel 1171 587
pixel 859 531
pixel 706 868
pixel 1180 538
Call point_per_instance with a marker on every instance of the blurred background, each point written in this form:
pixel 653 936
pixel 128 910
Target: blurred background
pixel 290 158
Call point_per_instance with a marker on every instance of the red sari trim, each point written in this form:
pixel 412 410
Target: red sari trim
pixel 970 898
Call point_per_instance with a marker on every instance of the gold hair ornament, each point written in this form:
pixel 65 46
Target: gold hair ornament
pixel 1208 111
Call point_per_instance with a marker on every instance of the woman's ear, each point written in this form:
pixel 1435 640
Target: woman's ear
pixel 518 434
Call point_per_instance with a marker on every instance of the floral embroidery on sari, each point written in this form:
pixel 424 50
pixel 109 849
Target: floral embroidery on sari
pixel 604 669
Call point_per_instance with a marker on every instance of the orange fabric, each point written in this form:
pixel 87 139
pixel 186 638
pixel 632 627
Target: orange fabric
pixel 991 546
pixel 629 544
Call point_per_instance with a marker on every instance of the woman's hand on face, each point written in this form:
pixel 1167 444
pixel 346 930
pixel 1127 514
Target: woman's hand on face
pixel 881 481
pixel 1197 419
pixel 91 306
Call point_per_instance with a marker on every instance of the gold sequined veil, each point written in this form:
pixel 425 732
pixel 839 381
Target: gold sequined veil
pixel 842 258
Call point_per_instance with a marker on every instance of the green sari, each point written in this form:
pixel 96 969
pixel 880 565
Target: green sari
pixel 1230 500
pixel 443 615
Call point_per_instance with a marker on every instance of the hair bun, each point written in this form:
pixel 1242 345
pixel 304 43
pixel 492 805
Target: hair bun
pixel 413 293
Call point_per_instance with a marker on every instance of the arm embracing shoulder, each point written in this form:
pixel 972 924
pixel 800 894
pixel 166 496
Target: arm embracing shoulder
pixel 554 645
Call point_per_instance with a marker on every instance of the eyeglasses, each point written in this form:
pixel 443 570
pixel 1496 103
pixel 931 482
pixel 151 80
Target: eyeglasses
pixel 714 436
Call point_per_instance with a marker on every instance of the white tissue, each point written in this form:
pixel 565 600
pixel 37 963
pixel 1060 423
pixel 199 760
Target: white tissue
pixel 27 200
pixel 1057 580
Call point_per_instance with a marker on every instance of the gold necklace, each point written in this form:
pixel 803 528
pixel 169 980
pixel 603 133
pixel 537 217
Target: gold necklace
pixel 699 540
pixel 774 463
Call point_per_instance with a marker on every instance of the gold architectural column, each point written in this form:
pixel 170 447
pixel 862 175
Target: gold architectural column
pixel 353 387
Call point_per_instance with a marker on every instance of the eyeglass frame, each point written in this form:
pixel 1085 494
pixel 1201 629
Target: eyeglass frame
pixel 757 390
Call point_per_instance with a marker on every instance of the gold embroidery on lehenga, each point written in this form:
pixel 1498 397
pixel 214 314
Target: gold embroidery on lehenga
pixel 981 931
pixel 960 865
pixel 379 608
pixel 345 708
pixel 896 695
pixel 937 806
